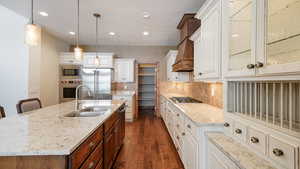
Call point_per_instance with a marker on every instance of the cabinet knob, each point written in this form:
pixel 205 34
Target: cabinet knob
pixel 254 140
pixel 91 144
pixel 183 134
pixel 226 124
pixel 200 74
pixel 177 137
pixel 277 152
pixel 238 131
pixel 91 164
pixel 188 126
pixel 177 115
pixel 259 65
pixel 250 66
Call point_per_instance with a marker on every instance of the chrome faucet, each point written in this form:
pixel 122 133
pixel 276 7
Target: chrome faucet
pixel 76 95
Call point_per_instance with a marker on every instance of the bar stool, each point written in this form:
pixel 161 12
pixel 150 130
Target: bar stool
pixel 28 105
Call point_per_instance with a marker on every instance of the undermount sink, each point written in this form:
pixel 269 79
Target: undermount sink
pixel 88 112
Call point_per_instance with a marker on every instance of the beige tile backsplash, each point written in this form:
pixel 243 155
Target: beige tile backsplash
pixel 210 93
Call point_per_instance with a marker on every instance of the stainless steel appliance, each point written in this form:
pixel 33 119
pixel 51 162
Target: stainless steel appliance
pixel 68 89
pixel 99 81
pixel 70 72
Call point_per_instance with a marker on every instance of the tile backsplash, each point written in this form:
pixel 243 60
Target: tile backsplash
pixel 210 93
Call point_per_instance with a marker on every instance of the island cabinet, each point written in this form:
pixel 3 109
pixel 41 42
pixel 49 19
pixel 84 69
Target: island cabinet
pixel 98 151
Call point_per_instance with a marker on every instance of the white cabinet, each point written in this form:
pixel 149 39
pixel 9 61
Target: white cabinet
pixel 104 60
pixel 175 76
pixel 190 151
pixel 130 105
pixel 124 70
pixel 261 46
pixel 207 42
pixel 68 58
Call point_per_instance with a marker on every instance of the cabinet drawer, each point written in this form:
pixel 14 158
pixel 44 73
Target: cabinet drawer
pixel 240 131
pixel 257 140
pixel 282 153
pixel 228 126
pixel 83 151
pixel 94 158
pixel 191 127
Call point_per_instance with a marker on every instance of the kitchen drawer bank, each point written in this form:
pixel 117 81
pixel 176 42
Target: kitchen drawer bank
pixel 98 150
pixel 187 124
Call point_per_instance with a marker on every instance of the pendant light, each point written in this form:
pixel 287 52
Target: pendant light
pixel 97 16
pixel 77 50
pixel 32 31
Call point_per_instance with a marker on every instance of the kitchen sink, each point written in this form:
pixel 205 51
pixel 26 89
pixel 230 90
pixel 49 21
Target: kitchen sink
pixel 88 112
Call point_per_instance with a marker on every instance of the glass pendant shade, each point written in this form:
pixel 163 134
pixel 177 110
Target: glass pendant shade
pixel 32 34
pixel 78 53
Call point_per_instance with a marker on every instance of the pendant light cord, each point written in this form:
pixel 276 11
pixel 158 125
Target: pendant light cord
pixel 31 19
pixel 97 36
pixel 77 38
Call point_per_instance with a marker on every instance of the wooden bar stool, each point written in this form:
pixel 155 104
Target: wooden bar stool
pixel 28 105
pixel 2 113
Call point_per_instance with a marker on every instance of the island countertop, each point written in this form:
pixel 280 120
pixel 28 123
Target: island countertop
pixel 48 132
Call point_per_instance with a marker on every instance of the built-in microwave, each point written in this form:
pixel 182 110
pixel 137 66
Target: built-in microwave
pixel 70 72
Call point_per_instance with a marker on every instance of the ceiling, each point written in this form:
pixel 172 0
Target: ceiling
pixel 124 17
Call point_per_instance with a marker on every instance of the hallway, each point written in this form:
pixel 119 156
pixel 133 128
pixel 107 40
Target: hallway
pixel 147 145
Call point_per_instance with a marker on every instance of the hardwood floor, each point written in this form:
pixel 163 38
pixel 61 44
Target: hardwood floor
pixel 147 146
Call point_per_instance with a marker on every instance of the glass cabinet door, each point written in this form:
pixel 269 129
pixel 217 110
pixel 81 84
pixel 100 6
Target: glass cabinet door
pixel 282 37
pixel 239 29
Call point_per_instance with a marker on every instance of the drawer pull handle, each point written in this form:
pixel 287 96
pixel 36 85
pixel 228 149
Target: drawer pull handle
pixel 277 152
pixel 238 131
pixel 177 137
pixel 188 126
pixel 226 124
pixel 183 134
pixel 91 144
pixel 254 140
pixel 91 165
pixel 250 66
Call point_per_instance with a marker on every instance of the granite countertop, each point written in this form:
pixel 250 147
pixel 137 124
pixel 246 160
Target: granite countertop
pixel 239 154
pixel 123 92
pixel 47 132
pixel 200 113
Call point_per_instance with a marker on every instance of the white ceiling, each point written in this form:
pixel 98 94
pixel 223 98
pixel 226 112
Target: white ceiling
pixel 124 17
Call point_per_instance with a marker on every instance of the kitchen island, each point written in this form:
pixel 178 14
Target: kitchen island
pixel 47 138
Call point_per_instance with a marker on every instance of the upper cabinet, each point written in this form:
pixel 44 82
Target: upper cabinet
pixel 124 70
pixel 103 60
pixel 261 38
pixel 207 42
pixel 68 58
pixel 175 76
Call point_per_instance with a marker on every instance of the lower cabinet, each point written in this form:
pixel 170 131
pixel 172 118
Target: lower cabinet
pixel 190 151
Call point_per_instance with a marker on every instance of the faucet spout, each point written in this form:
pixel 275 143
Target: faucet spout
pixel 76 95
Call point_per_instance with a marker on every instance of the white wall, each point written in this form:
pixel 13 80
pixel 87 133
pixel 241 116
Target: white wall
pixel 14 60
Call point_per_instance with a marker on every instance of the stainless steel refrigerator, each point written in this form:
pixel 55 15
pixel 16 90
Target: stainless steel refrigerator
pixel 98 81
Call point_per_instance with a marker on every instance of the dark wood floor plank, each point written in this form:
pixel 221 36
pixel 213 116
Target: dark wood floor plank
pixel 147 145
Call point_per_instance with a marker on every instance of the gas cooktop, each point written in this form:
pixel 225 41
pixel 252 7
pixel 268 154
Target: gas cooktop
pixel 184 100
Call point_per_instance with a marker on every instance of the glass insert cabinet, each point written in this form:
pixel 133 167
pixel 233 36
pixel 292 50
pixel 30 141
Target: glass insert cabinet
pixel 261 37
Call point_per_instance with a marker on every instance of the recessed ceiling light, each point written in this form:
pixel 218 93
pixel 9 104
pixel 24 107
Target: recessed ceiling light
pixel 72 33
pixel 235 35
pixel 146 15
pixel 112 33
pixel 44 13
pixel 145 33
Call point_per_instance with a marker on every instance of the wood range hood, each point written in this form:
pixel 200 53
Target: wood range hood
pixel 185 57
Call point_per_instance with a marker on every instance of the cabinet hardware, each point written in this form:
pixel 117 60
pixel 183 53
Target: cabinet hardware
pixel 183 134
pixel 259 65
pixel 91 144
pixel 200 74
pixel 91 165
pixel 226 124
pixel 177 137
pixel 250 66
pixel 177 125
pixel 277 152
pixel 177 115
pixel 238 131
pixel 189 126
pixel 254 140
